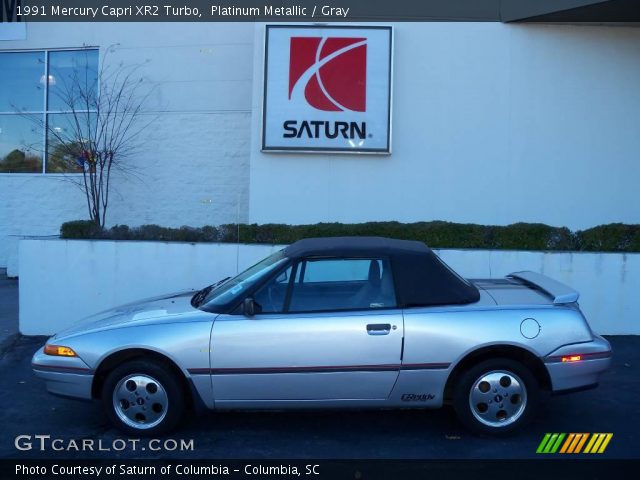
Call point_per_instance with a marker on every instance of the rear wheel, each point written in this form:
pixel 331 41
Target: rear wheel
pixel 142 397
pixel 496 396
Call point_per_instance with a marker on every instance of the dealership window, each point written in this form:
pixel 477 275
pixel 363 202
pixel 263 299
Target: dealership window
pixel 47 98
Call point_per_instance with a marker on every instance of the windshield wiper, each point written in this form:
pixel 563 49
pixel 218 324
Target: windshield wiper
pixel 200 295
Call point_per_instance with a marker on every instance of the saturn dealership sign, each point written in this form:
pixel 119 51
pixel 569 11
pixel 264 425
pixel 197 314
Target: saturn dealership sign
pixel 327 89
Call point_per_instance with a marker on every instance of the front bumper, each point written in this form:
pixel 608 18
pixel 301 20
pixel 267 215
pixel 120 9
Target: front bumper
pixel 66 376
pixel 595 359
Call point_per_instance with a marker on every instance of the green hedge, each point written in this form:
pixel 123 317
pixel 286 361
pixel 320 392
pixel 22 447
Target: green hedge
pixel 615 237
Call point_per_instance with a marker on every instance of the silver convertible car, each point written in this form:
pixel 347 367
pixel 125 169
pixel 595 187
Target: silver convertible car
pixel 334 323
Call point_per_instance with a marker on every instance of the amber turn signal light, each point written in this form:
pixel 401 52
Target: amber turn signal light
pixel 59 351
pixel 572 358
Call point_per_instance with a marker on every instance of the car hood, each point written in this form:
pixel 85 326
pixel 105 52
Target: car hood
pixel 162 309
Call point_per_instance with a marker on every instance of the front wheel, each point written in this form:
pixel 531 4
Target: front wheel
pixel 142 397
pixel 496 396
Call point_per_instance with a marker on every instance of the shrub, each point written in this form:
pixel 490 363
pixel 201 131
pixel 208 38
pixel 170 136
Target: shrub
pixel 80 229
pixel 437 234
pixel 614 237
pixel 532 236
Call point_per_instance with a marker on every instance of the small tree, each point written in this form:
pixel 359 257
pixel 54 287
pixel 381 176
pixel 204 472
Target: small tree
pixel 105 120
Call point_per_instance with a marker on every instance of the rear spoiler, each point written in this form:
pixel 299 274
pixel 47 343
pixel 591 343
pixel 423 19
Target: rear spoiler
pixel 559 292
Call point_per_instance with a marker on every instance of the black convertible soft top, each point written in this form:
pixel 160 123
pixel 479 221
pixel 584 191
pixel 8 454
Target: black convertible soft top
pixel 420 277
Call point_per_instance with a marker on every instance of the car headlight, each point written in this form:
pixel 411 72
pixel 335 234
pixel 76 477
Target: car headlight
pixel 59 350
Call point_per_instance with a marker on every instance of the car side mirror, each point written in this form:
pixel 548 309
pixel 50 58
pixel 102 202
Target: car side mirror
pixel 249 307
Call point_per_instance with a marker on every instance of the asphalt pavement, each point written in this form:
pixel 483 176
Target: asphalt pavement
pixel 387 434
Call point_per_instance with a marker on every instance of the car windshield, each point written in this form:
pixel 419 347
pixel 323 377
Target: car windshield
pixel 238 285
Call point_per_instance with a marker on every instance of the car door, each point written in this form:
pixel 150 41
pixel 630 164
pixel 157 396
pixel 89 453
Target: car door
pixel 325 329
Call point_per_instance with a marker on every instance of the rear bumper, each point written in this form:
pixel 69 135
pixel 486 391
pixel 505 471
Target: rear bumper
pixel 595 358
pixel 68 377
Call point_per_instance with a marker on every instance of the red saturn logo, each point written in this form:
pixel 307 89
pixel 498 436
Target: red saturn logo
pixel 331 72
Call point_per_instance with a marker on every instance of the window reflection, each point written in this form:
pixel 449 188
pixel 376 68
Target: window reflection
pixel 20 87
pixel 33 85
pixel 20 144
pixel 67 140
pixel 73 75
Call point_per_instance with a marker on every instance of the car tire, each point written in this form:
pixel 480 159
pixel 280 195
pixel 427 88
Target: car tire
pixel 143 398
pixel 496 397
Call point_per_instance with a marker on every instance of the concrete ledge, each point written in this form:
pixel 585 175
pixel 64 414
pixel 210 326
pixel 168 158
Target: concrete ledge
pixel 62 281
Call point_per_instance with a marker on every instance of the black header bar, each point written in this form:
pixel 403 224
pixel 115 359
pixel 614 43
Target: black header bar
pixel 251 10
pixel 319 11
pixel 314 469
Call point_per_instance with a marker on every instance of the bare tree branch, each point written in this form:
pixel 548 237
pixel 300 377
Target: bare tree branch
pixel 106 119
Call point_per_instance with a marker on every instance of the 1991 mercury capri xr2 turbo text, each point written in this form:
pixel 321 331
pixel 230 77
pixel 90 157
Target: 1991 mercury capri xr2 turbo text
pixel 334 322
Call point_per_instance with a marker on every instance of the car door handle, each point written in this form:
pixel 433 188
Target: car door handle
pixel 378 328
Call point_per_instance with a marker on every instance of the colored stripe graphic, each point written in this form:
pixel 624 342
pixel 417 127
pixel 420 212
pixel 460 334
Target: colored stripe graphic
pixel 554 449
pixel 574 443
pixel 550 443
pixel 543 443
pixel 577 443
pixel 598 442
pixel 607 439
pixel 567 443
pixel 581 443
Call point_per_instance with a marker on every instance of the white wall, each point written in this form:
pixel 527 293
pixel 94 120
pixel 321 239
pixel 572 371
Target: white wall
pixel 70 279
pixel 492 123
pixel 194 168
pixel 63 281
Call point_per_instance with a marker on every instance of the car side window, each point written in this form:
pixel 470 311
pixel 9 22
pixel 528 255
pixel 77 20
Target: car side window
pixel 343 284
pixel 338 270
pixel 271 296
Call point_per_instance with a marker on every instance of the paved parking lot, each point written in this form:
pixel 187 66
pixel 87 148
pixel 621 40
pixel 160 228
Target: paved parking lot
pixel 29 410
pixel 8 310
